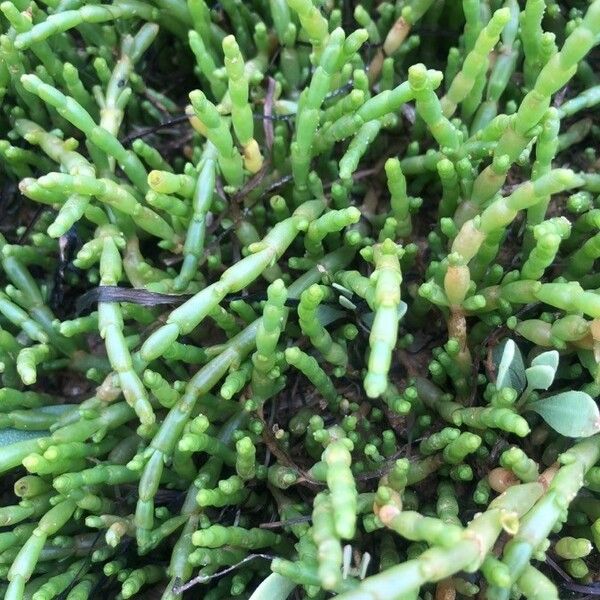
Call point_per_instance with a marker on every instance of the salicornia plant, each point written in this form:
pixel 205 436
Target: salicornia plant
pixel 298 298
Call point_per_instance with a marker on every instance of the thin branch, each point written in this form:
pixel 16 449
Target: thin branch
pixel 570 584
pixel 278 524
pixel 204 578
pixel 150 130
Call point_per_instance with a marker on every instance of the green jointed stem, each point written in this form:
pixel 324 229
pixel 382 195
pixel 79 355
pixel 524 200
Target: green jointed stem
pixel 501 73
pixel 110 324
pixel 329 548
pixel 28 360
pixel 457 450
pixel 399 201
pixel 25 562
pixel 538 522
pixel 96 135
pixel 520 464
pixel 531 34
pixel 416 527
pixel 307 118
pixel 312 22
pixel 166 182
pixel 309 366
pixel 193 248
pixel 571 548
pixel 117 94
pixel 139 577
pixel 447 505
pixel 587 99
pixel 438 441
pixel 342 487
pixel 264 253
pixel 422 84
pixel 150 155
pixel 42 50
pixel 376 107
pixel 555 74
pixel 57 584
pixel 582 260
pixel 387 278
pixel 570 297
pixel 113 195
pixel 502 211
pixel 245 463
pixel 216 536
pixel 269 330
pixel 545 151
pixel 236 380
pixel 468 553
pixel 241 112
pixel 216 129
pixel 206 63
pixel 534 584
pixel 358 147
pixel 475 62
pixel 548 236
pixel 75 205
pixel 201 383
pixel 331 222
pixel 65 20
pixel 480 417
pixel 160 388
pixel 310 300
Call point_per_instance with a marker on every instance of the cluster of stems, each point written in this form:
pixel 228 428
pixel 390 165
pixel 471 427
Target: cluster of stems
pixel 295 295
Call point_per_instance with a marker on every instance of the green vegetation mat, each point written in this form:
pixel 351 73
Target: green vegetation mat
pixel 299 299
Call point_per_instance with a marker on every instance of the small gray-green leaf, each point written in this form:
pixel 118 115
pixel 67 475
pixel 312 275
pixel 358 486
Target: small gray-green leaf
pixel 572 414
pixel 343 290
pixel 540 377
pixel 549 359
pixel 9 435
pixel 510 367
pixel 274 587
pixel 402 308
pixel 346 303
pixel 328 314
